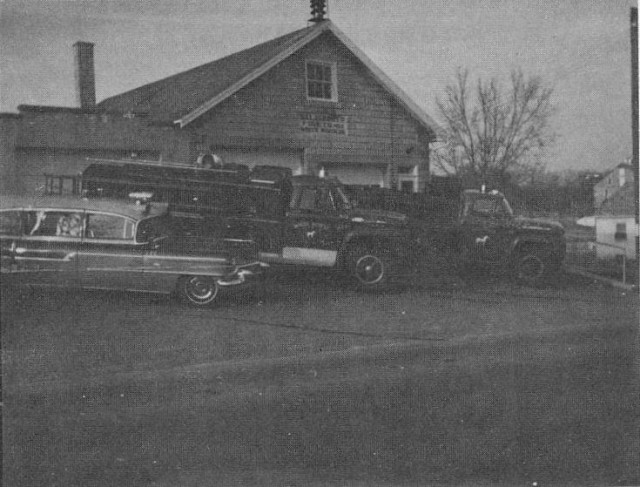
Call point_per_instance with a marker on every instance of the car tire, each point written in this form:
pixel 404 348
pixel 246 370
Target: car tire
pixel 532 267
pixel 369 267
pixel 198 290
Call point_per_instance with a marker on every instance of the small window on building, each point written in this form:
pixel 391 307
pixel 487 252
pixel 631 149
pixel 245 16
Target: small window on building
pixel 405 169
pixel 622 180
pixel 321 81
pixel 621 231
pixel 406 186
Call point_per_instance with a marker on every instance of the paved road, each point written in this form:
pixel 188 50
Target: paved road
pixel 102 388
pixel 84 333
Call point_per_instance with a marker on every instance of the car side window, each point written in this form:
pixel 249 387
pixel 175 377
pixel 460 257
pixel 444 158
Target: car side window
pixel 110 227
pixel 10 222
pixel 54 223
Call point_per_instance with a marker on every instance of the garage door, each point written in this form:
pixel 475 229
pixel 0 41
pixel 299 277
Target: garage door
pixel 292 160
pixel 368 176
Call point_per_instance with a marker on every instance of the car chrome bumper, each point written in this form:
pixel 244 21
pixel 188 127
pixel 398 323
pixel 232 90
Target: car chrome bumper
pixel 243 272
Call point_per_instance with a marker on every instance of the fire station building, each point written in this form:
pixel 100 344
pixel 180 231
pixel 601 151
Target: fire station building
pixel 310 100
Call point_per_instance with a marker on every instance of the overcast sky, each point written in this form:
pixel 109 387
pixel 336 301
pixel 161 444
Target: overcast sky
pixel 581 47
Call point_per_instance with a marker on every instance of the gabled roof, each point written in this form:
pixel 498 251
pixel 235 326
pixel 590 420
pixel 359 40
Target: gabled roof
pixel 625 165
pixel 186 96
pixel 622 202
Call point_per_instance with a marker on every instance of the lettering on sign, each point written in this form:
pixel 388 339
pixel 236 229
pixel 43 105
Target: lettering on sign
pixel 326 124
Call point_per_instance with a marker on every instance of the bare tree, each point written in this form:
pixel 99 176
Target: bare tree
pixel 491 134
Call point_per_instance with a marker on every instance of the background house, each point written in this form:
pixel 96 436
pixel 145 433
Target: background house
pixel 308 100
pixel 612 182
pixel 615 220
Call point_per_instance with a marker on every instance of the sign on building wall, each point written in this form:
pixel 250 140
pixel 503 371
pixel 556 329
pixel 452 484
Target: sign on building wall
pixel 328 124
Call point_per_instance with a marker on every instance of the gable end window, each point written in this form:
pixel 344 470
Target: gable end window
pixel 321 81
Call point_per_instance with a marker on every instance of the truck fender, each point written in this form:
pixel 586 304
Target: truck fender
pixel 521 242
pixel 355 237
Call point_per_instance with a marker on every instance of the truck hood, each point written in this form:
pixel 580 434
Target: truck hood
pixel 377 216
pixel 538 225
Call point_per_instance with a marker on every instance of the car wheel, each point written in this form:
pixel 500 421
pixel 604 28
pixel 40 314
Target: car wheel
pixel 531 267
pixel 369 267
pixel 198 290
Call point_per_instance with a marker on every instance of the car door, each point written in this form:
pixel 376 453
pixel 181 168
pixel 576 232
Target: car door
pixel 315 227
pixel 109 256
pixel 488 229
pixel 46 254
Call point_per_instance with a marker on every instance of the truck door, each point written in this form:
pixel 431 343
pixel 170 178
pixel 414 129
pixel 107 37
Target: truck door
pixel 315 227
pixel 486 229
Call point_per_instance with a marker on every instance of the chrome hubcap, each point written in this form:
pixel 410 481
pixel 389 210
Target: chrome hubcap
pixel 369 269
pixel 201 290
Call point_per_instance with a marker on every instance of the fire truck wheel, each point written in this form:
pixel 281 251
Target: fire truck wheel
pixel 369 266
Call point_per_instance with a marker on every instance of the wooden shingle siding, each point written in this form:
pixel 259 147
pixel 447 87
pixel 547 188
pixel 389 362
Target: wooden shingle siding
pixel 270 110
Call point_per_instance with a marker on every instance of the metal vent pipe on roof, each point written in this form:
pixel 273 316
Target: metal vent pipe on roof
pixel 318 10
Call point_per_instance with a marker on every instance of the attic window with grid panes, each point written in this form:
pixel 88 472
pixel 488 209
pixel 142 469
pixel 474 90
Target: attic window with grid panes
pixel 321 81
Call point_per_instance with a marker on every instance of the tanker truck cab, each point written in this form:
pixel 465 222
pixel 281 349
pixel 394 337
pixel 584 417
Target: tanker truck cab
pixel 487 232
pixel 317 220
pixel 485 225
pixel 323 229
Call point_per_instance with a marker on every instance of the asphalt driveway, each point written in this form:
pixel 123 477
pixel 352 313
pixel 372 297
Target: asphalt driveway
pixel 306 382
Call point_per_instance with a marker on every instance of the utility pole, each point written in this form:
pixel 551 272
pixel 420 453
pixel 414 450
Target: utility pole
pixel 634 113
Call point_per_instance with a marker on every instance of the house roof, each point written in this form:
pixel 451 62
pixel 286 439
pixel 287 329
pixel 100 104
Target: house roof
pixel 622 202
pixel 186 96
pixel 625 165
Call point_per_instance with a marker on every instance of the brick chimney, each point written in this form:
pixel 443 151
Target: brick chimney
pixel 85 77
